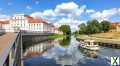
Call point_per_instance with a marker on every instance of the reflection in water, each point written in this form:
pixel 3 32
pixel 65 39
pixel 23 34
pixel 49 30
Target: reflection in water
pixel 38 49
pixel 65 42
pixel 89 53
pixel 55 53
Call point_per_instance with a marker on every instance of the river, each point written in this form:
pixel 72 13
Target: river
pixel 66 52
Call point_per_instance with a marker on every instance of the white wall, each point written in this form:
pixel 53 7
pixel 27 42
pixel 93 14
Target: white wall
pixel 21 22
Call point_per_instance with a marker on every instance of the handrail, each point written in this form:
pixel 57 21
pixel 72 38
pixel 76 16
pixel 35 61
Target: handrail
pixel 18 50
pixel 14 50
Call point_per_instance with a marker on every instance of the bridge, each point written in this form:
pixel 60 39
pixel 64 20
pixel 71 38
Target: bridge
pixel 11 48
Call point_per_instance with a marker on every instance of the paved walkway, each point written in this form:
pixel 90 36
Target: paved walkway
pixel 5 44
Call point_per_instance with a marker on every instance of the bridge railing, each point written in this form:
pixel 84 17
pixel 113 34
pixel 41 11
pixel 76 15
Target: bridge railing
pixel 15 53
pixel 18 50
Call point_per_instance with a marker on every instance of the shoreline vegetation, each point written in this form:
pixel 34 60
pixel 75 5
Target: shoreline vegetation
pixel 102 32
pixel 53 36
pixel 66 32
pixel 108 37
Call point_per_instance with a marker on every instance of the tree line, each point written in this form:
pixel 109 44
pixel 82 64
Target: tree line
pixel 65 29
pixel 94 26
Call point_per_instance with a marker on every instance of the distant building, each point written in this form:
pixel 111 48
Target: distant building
pixel 116 25
pixel 57 31
pixel 1 27
pixel 27 23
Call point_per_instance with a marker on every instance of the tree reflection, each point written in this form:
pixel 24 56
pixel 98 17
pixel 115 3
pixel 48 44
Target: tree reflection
pixel 65 42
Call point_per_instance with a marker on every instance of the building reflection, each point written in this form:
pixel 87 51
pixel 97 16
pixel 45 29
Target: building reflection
pixel 59 50
pixel 37 49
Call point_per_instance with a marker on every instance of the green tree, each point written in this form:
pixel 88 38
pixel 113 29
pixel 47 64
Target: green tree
pixel 82 29
pixel 65 29
pixel 106 26
pixel 65 42
pixel 93 26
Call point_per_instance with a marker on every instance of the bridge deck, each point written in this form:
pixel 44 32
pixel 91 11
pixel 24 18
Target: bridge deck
pixel 5 44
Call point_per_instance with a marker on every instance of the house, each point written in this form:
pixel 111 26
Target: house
pixel 57 31
pixel 0 26
pixel 27 23
pixel 2 31
pixel 116 25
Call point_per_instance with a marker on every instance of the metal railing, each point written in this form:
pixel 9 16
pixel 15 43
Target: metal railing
pixel 14 57
pixel 18 50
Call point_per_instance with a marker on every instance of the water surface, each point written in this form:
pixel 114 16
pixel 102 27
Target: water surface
pixel 67 53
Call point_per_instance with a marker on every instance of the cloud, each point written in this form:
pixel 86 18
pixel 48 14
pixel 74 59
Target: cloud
pixel 64 13
pixel 48 13
pixel 37 2
pixel 105 14
pixel 66 7
pixel 36 14
pixel 67 21
pixel 69 9
pixel 119 11
pixel 90 11
pixel 4 17
pixel 45 14
pixel 28 7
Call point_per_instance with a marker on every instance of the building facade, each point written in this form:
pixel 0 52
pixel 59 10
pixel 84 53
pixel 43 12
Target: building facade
pixel 116 26
pixel 27 23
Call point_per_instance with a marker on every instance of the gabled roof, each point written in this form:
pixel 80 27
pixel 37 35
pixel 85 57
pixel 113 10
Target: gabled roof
pixel 116 24
pixel 35 20
pixel 4 22
pixel 30 20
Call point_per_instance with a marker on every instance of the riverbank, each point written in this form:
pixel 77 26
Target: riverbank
pixel 110 37
pixel 53 36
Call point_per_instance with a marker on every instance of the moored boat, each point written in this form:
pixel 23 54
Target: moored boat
pixel 89 44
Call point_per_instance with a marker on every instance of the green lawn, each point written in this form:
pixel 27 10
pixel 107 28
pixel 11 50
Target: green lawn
pixel 53 36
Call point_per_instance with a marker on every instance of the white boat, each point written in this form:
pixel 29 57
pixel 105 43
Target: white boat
pixel 90 44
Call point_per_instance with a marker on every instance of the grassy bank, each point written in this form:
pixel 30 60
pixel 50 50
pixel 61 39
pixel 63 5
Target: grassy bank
pixel 53 36
pixel 109 37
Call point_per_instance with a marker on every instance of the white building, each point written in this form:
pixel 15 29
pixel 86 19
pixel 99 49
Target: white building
pixel 3 25
pixel 0 27
pixel 27 23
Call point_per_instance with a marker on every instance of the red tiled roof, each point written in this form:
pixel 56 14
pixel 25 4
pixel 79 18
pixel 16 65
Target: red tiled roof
pixel 4 22
pixel 35 20
pixel 31 20
pixel 116 24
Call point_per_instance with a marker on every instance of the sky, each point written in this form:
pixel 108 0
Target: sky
pixel 71 12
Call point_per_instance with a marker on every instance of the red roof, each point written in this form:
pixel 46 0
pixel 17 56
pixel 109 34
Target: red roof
pixel 35 20
pixel 4 22
pixel 116 24
pixel 30 19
